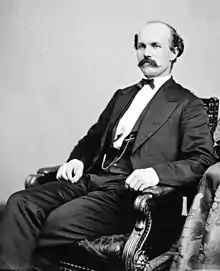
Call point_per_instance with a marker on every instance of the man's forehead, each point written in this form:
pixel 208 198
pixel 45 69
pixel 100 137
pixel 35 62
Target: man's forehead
pixel 155 32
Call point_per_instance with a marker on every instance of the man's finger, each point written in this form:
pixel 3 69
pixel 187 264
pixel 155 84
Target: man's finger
pixel 77 176
pixel 137 184
pixel 58 173
pixel 63 173
pixel 69 173
pixel 143 186
pixel 134 182
pixel 130 178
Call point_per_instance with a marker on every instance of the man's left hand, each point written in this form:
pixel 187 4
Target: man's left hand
pixel 141 179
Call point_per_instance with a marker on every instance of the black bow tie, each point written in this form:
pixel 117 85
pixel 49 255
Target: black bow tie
pixel 144 82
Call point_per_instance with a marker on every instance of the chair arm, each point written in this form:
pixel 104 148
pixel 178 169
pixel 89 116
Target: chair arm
pixel 38 178
pixel 46 170
pixel 144 203
pixel 141 202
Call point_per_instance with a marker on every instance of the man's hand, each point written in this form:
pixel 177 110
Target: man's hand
pixel 71 171
pixel 141 179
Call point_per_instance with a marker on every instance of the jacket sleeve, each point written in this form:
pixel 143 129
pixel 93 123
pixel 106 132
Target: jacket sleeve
pixel 87 147
pixel 196 151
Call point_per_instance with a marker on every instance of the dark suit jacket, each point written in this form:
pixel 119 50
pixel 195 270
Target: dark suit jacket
pixel 174 136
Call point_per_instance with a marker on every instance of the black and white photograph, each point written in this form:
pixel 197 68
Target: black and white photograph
pixel 110 135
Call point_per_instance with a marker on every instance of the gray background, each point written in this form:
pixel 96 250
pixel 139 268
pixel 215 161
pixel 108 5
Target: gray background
pixel 61 61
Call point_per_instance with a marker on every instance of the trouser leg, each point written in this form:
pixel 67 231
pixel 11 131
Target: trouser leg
pixel 98 214
pixel 106 210
pixel 103 211
pixel 25 215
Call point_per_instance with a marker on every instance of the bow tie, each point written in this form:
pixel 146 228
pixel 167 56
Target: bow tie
pixel 144 82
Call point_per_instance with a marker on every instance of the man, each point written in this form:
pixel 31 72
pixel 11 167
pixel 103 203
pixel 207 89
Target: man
pixel 154 132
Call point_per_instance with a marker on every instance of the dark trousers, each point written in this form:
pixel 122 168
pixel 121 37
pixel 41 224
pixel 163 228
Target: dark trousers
pixel 59 213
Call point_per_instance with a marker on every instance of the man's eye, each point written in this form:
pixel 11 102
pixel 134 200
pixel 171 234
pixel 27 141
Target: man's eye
pixel 155 45
pixel 141 46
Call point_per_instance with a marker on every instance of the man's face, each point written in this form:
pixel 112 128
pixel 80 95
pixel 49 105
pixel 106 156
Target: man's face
pixel 153 50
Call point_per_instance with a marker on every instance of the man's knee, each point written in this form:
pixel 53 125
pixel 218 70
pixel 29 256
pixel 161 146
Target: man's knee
pixel 16 198
pixel 19 205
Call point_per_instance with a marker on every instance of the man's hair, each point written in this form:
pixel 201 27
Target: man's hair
pixel 175 43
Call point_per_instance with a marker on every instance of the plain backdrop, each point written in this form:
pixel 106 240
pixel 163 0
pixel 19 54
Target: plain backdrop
pixel 61 61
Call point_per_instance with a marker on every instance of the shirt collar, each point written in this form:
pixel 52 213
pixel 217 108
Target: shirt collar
pixel 159 81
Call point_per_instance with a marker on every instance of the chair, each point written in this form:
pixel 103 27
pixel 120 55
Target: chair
pixel 199 242
pixel 130 251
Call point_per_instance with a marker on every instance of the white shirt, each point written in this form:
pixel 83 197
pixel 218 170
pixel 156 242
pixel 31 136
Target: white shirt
pixel 135 109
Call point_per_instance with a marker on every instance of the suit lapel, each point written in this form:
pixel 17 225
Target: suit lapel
pixel 122 102
pixel 160 110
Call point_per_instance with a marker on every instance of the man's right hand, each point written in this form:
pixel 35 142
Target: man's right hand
pixel 71 171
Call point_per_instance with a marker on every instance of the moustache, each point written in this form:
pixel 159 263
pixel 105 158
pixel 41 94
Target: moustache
pixel 148 61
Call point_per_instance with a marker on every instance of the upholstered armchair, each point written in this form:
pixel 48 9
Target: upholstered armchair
pixel 132 251
pixel 199 243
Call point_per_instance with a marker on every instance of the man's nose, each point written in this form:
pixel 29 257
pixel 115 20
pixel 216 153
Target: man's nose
pixel 147 51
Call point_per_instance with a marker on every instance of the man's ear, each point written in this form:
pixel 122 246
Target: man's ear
pixel 174 54
pixel 135 41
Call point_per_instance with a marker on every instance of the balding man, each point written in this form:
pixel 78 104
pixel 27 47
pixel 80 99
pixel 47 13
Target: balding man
pixel 152 133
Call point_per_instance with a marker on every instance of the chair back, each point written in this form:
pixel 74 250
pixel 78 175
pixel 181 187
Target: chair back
pixel 212 106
